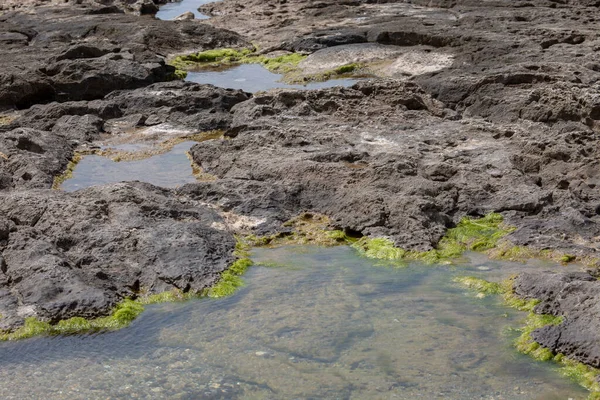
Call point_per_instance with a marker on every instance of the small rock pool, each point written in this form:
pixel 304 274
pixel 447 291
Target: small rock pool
pixel 253 78
pixel 175 9
pixel 310 323
pixel 171 169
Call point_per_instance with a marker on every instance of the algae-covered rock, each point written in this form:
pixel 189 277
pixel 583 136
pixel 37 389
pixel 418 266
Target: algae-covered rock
pixel 573 296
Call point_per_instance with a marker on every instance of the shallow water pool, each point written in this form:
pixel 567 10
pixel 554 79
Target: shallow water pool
pixel 253 78
pixel 175 9
pixel 315 323
pixel 170 169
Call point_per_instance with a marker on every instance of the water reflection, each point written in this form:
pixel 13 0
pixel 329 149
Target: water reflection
pixel 170 169
pixel 253 78
pixel 175 9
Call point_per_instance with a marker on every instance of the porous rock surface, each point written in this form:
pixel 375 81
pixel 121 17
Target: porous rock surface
pixel 507 121
pixel 78 255
pixel 511 126
pixel 573 296
pixel 72 73
pixel 85 51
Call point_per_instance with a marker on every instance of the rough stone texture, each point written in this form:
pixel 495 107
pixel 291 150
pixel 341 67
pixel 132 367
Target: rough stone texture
pixel 507 121
pixel 339 149
pixel 198 107
pixel 76 52
pixel 31 158
pixel 516 132
pixel 64 255
pixel 78 255
pixel 575 297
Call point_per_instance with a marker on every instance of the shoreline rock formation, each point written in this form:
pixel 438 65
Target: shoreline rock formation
pixel 506 122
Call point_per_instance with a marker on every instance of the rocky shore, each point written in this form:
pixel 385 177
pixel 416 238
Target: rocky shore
pixel 483 107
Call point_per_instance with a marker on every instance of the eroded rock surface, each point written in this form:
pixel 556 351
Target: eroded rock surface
pixel 384 158
pixel 83 52
pixel 65 255
pixel 495 108
pixel 78 255
pixel 573 296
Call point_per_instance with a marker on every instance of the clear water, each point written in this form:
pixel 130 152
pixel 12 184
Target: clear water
pixel 253 78
pixel 323 323
pixel 173 10
pixel 170 169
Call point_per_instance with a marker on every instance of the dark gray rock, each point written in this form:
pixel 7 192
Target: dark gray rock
pixel 575 297
pixel 32 158
pixel 79 254
pixel 72 54
pixel 384 158
pixel 194 106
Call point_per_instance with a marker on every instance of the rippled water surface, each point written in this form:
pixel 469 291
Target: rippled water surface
pixel 314 323
pixel 170 169
pixel 253 78
pixel 175 9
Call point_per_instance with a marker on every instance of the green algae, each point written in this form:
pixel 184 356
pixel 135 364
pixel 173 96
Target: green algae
pixel 481 286
pixel 476 234
pixel 509 252
pixel 230 280
pixel 470 234
pixel 211 56
pixel 170 296
pixel 584 375
pixel 178 75
pixel 121 316
pixel 216 58
pixel 306 228
pixel 68 173
pixel 128 310
pixel 281 64
pixel 525 343
pixel 379 248
pixel 346 69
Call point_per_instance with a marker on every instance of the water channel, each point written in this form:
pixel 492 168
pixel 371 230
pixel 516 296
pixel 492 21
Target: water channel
pixel 253 78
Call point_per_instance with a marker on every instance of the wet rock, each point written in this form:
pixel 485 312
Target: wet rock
pixel 185 16
pixel 79 254
pixel 187 104
pixel 574 296
pixel 32 158
pixel 496 110
pixel 354 136
pixel 71 54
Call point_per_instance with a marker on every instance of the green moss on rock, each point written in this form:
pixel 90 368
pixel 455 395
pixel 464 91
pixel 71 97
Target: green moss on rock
pixel 230 280
pixel 128 310
pixel 470 234
pixel 307 228
pixel 68 173
pixel 379 248
pixel 584 375
pixel 227 57
pixel 481 286
pixel 122 315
